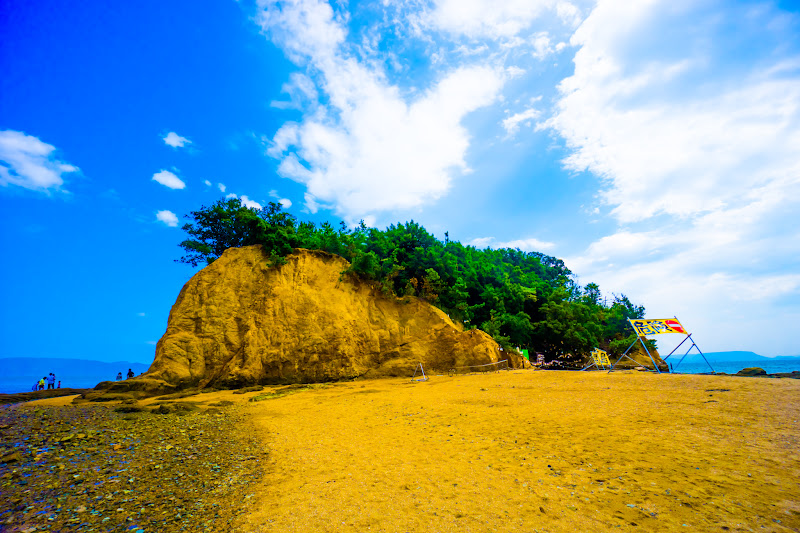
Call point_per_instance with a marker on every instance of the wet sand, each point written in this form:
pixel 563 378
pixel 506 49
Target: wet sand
pixel 532 451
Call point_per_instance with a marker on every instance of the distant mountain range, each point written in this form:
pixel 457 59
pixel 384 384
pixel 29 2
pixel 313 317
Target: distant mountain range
pixel 728 357
pixel 18 374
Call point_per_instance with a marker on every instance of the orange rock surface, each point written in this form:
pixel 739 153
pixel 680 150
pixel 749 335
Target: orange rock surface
pixel 240 321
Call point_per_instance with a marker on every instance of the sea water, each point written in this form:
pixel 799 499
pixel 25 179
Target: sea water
pixel 14 384
pixel 20 374
pixel 731 367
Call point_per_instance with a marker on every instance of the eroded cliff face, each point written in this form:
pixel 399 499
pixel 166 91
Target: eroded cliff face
pixel 238 321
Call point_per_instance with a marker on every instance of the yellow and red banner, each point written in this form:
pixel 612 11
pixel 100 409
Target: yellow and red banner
pixel 656 326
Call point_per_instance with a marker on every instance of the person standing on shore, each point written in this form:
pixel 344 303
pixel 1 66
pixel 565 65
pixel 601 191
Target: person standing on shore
pixel 119 376
pixel 59 384
pixel 41 384
pixel 130 374
pixel 51 381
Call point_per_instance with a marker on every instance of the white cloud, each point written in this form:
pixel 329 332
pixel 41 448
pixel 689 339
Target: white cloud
pixel 510 23
pixel 541 45
pixel 515 72
pixel 301 90
pixel 484 18
pixel 175 140
pixel 481 242
pixel 681 152
pixel 140 314
pixel 568 13
pixel 303 28
pixel 247 202
pixel 168 179
pixel 370 149
pixel 526 245
pixel 207 183
pixel 221 187
pixel 285 202
pixel 167 217
pixel 697 157
pixel 512 123
pixel 27 162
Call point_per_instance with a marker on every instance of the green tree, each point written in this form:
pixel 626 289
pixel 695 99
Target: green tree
pixel 591 294
pixel 229 224
pixel 432 285
pixel 365 265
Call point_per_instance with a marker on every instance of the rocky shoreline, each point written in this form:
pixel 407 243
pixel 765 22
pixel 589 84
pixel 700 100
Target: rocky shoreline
pixel 756 372
pixel 96 468
pixel 17 397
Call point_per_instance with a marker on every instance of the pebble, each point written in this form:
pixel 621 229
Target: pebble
pixel 79 468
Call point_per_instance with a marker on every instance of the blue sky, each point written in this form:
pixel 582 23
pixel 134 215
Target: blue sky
pixel 653 146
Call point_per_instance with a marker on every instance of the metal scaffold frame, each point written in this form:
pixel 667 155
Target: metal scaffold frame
pixel 663 329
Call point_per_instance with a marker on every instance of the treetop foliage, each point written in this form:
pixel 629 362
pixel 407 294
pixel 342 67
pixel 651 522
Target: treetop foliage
pixel 522 299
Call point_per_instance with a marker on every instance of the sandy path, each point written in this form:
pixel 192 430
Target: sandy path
pixel 533 451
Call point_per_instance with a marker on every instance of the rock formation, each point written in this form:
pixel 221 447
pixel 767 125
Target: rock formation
pixel 752 371
pixel 239 321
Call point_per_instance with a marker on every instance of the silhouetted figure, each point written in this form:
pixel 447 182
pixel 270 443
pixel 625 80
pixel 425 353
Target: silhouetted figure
pixel 130 373
pixel 119 376
pixel 59 384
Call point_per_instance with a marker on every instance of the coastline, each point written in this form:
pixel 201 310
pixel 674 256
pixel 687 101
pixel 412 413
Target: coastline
pixel 19 397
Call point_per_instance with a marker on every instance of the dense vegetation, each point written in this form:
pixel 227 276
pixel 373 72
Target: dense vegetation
pixel 522 299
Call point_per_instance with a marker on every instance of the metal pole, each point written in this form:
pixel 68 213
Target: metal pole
pixel 687 352
pixel 624 355
pixel 678 346
pixel 651 357
pixel 593 363
pixel 704 357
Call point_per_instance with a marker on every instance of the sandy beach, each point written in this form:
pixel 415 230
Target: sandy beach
pixel 533 451
pixel 515 451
